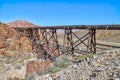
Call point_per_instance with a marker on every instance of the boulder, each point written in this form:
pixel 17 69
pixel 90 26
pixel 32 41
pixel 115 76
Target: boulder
pixel 36 66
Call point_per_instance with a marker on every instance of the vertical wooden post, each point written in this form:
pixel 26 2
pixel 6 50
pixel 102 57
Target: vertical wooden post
pixel 57 42
pixel 93 40
pixel 71 42
pixel 68 42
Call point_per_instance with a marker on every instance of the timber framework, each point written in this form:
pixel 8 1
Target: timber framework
pixel 45 39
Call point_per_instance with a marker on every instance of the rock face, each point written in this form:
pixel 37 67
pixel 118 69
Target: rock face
pixel 11 41
pixel 3 44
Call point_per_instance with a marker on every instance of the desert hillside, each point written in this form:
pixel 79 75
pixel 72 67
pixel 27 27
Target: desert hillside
pixel 21 23
pixel 108 35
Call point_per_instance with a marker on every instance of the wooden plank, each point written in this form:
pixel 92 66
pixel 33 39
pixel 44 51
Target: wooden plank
pixel 108 45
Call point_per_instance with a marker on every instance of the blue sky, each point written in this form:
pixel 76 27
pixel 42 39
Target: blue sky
pixel 61 12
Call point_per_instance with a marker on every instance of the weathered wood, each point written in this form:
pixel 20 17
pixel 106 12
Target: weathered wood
pixel 47 35
pixel 98 27
pixel 107 45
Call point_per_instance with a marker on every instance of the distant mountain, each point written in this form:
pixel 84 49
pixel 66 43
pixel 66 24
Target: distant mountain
pixel 21 23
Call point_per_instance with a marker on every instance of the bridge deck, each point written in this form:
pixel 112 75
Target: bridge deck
pixel 99 27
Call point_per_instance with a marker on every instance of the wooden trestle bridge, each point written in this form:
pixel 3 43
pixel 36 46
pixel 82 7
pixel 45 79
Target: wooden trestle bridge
pixel 46 38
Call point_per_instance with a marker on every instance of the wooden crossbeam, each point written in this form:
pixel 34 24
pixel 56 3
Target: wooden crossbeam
pixel 49 36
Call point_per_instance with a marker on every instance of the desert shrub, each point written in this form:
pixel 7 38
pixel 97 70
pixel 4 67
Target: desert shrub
pixel 10 60
pixel 59 63
pixel 81 57
pixel 90 55
pixel 18 67
pixel 23 58
pixel 55 69
pixel 62 64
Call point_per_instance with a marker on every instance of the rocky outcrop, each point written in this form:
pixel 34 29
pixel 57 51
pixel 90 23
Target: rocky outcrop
pixel 10 40
pixel 3 44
